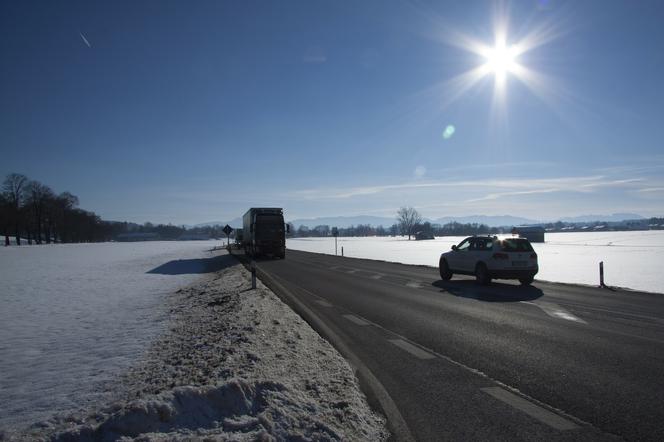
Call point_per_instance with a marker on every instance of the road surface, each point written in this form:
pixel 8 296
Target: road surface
pixel 455 360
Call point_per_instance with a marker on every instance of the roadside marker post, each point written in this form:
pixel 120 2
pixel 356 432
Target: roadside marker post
pixel 335 233
pixel 253 274
pixel 342 250
pixel 601 274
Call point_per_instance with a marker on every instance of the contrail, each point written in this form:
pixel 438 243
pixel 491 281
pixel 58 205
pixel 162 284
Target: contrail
pixel 85 40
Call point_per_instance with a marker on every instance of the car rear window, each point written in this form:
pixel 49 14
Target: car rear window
pixel 516 245
pixel 482 244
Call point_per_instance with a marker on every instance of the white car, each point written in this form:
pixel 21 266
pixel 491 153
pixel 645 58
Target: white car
pixel 488 257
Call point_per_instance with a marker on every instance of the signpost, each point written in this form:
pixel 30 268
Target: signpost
pixel 335 233
pixel 227 230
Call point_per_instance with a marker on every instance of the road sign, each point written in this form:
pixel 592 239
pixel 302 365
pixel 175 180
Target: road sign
pixel 335 231
pixel 227 230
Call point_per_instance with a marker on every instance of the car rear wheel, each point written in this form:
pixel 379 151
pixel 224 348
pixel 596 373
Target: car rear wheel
pixel 527 281
pixel 482 274
pixel 445 272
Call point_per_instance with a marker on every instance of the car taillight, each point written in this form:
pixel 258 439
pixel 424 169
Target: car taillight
pixel 500 256
pixel 533 256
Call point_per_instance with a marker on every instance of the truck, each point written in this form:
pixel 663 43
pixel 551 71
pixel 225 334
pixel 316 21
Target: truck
pixel 264 232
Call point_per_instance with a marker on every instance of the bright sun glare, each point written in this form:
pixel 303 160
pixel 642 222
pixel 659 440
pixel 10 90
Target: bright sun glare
pixel 500 60
pixel 503 58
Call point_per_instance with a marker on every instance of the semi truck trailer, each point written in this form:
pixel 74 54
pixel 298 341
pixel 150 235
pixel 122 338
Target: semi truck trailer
pixel 264 232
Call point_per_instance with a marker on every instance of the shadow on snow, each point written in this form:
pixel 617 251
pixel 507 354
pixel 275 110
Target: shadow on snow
pixel 194 266
pixel 496 292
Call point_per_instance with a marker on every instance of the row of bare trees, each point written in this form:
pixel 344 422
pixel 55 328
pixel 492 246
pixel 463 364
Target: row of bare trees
pixel 31 210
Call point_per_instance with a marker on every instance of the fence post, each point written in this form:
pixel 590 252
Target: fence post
pixel 253 274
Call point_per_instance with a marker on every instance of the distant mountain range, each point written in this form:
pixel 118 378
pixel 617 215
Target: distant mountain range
pixel 234 223
pixel 344 221
pixel 489 220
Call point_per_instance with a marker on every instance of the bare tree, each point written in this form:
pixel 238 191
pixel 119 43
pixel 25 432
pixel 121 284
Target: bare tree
pixel 408 218
pixel 13 187
pixel 38 197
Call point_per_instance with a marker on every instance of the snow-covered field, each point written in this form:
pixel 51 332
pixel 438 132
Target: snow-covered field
pixel 631 259
pixel 74 316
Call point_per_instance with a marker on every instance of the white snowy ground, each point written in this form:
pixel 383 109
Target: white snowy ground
pixel 73 316
pixel 631 259
pixel 127 355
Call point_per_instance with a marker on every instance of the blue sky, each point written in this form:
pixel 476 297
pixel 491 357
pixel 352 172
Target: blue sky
pixel 189 112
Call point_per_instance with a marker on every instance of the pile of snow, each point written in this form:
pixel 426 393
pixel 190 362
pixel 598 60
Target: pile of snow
pixel 234 364
pixel 631 259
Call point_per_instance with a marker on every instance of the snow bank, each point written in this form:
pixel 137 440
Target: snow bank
pixel 631 259
pixel 235 364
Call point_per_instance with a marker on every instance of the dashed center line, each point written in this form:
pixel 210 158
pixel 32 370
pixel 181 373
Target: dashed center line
pixel 377 276
pixel 323 303
pixel 351 271
pixel 356 320
pixel 543 415
pixel 413 350
pixel 414 284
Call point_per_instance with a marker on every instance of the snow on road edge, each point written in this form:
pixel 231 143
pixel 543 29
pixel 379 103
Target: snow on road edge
pixel 236 364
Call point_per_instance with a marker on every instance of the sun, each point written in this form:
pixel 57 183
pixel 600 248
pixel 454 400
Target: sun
pixel 500 60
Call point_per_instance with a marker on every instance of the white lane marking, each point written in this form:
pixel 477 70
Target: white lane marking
pixel 323 303
pixel 356 320
pixel 414 284
pixel 541 414
pixel 555 311
pixel 376 276
pixel 410 348
pixel 351 271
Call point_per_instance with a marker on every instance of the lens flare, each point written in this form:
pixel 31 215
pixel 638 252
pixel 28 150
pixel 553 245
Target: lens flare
pixel 449 131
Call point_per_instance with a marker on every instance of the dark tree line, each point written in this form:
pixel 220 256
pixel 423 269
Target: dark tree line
pixel 31 210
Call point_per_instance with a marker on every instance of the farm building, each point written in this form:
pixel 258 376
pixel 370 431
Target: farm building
pixel 531 233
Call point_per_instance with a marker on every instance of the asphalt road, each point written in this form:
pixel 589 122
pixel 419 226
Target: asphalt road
pixel 502 362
